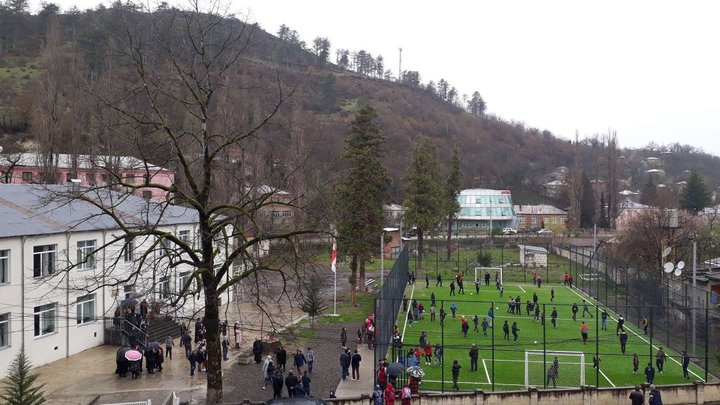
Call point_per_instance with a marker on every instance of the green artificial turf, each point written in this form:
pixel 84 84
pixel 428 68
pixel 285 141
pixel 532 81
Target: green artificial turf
pixel 508 371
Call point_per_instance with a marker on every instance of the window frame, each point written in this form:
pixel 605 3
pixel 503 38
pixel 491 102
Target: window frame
pixel 129 251
pixel 40 319
pixel 164 290
pixel 46 250
pixel 81 317
pixel 4 266
pixel 26 176
pixel 5 330
pixel 85 254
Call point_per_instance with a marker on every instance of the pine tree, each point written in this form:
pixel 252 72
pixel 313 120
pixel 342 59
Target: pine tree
pixel 19 389
pixel 587 204
pixel 648 194
pixel 452 189
pixel 696 196
pixel 312 301
pixel 360 194
pixel 424 199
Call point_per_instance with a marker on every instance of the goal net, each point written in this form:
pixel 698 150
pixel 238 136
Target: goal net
pixel 554 369
pixel 496 274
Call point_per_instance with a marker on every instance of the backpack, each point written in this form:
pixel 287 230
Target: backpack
pixel 406 393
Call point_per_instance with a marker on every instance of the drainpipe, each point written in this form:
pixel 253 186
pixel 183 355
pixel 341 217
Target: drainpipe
pixel 22 290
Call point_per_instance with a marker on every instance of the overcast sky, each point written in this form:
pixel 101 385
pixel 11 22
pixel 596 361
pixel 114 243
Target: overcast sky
pixel 646 69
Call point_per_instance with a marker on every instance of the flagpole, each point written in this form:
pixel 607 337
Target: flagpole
pixel 333 267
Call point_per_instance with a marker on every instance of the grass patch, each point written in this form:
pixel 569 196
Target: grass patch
pixel 348 313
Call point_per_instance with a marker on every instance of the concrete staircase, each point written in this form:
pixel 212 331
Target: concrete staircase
pixel 160 328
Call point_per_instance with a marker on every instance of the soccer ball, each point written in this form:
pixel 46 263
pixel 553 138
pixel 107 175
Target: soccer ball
pixel 471 293
pixel 497 307
pixel 535 342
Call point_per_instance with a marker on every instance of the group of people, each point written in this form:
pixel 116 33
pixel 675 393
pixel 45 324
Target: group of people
pixel 385 392
pixel 297 385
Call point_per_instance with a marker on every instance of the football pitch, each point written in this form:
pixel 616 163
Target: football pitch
pixel 501 364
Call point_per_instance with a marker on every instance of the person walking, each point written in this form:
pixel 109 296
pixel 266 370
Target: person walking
pixel 637 397
pixel 186 342
pixel 290 382
pixel 517 305
pixel 377 396
pixel 438 282
pixel 649 373
pixel 310 359
pixel 427 281
pixel 474 354
pixel 306 383
pixel 192 358
pixel 355 363
pixel 453 309
pixel 475 320
pixel 438 354
pixel 515 330
pixel 477 286
pixel 645 325
pixel 506 331
pixel 452 287
pixel 432 313
pixel 685 363
pixel 268 371
pixel 427 352
pixel 299 361
pixel 464 327
pixel 432 299
pixel 461 286
pixel 491 315
pixel 406 394
pixel 635 363
pixel 257 349
pixel 277 383
pixel 574 311
pixel 345 364
pixel 603 319
pixel 584 329
pixel 281 358
pixel 169 344
pixel 586 310
pixel 552 374
pixel 552 294
pixel 553 317
pixel 225 347
pixel 484 325
pixel 623 340
pixel 660 359
pixel 343 337
pixel 456 374
pixel 654 398
pixel 620 325
pixel 443 314
pixel 236 331
pixel 389 394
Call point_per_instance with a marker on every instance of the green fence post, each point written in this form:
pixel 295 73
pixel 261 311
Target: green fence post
pixel 597 345
pixel 544 351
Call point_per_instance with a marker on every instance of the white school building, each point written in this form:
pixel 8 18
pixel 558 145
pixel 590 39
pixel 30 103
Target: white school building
pixel 54 312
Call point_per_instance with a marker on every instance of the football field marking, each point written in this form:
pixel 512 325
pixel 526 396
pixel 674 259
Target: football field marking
pixel 486 371
pixel 522 289
pixel 672 358
pixel 606 377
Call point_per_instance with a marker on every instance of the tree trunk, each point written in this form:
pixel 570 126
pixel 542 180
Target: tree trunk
pixel 420 251
pixel 449 238
pixel 361 279
pixel 353 278
pixel 214 352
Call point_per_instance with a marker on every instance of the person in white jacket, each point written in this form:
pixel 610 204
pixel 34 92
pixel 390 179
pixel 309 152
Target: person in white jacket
pixel 268 369
pixel 309 359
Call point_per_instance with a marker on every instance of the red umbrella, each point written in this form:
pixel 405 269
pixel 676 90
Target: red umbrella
pixel 133 355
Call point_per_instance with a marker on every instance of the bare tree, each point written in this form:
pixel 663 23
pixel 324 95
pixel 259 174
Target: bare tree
pixel 575 188
pixel 178 98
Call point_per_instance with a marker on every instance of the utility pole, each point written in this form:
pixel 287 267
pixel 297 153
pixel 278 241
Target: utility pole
pixel 400 66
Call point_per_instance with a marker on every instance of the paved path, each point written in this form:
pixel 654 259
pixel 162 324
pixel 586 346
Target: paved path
pixel 350 388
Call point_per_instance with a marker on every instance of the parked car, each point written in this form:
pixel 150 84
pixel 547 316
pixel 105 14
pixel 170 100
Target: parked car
pixel 509 231
pixel 412 233
pixel 544 232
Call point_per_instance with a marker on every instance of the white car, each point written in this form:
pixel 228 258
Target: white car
pixel 509 231
pixel 544 232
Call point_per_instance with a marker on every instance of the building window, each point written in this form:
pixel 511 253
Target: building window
pixel 183 279
pixel 85 308
pixel 68 177
pixel 184 236
pixel 27 177
pixel 86 254
pixel 5 330
pixel 164 288
pixel 129 251
pixel 147 194
pixel 44 260
pixel 4 266
pixel 534 221
pixel 104 179
pixel 129 291
pixel 45 319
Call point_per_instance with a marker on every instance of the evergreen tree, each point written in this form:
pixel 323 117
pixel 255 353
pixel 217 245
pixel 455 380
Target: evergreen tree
pixel 604 221
pixel 361 192
pixel 696 195
pixel 452 189
pixel 587 204
pixel 424 199
pixel 19 389
pixel 312 301
pixel 476 105
pixel 648 194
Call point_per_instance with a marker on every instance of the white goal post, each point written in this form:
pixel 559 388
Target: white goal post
pixel 496 273
pixel 554 369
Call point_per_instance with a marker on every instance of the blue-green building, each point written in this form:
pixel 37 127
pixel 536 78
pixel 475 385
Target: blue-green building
pixel 485 208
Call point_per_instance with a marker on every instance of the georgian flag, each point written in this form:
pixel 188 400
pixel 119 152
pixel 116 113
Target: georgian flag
pixel 333 257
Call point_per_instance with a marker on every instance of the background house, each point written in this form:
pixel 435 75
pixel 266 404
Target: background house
pixel 533 256
pixel 482 208
pixel 540 216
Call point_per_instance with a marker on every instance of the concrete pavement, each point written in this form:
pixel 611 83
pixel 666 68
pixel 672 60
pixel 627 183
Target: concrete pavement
pixel 353 389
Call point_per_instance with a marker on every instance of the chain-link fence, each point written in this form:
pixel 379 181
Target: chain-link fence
pixel 682 317
pixel 387 305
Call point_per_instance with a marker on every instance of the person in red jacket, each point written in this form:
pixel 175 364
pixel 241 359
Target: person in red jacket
pixel 428 353
pixel 389 394
pixel 382 377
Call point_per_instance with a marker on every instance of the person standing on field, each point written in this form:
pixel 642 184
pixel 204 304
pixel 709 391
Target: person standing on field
pixel 623 340
pixel 685 364
pixel 645 325
pixel 636 363
pixel 584 329
pixel 515 330
pixel 474 354
pixel 456 374
pixel 620 325
pixel 574 311
pixel 603 319
pixel 553 317
pixel 660 359
pixel 506 331
pixel 585 310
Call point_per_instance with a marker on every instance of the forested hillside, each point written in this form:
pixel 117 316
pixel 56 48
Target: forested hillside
pixel 46 60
